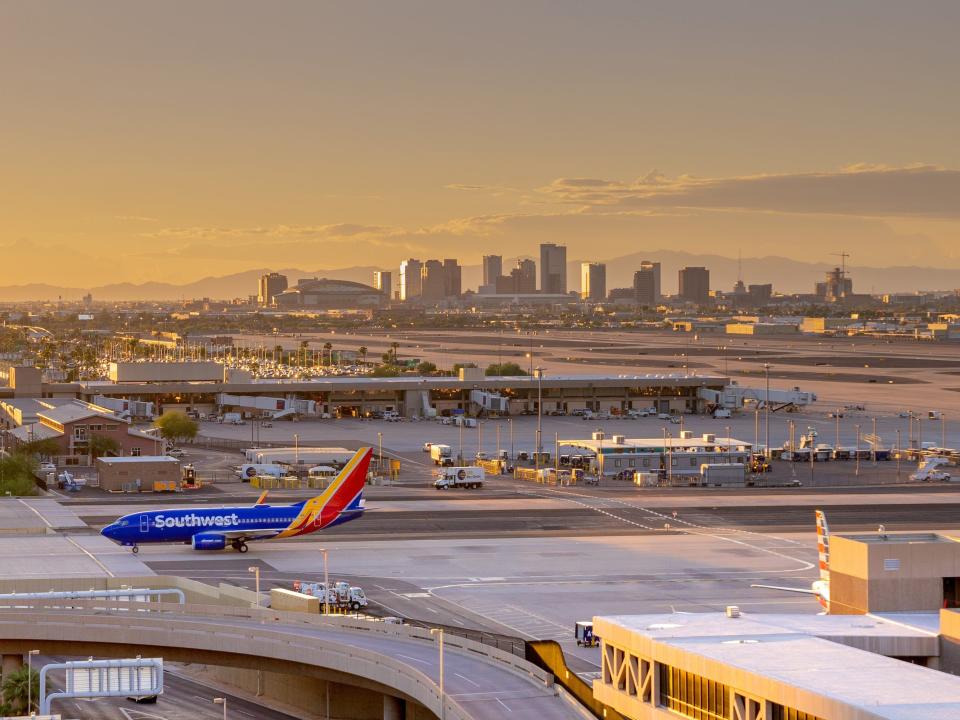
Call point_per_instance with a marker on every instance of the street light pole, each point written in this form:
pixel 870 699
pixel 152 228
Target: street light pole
pixel 539 372
pixel 380 451
pixel 600 456
pixel 766 414
pixel 221 701
pixel 30 655
pixel 256 573
pixel 873 445
pixel 326 583
pixel 443 699
pixel 857 472
pixel 899 454
pixel 510 421
pixel 460 451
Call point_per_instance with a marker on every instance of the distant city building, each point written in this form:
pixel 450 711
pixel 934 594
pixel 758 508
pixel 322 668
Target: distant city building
pixel 526 276
pixel 410 279
pixel 836 286
pixel 646 283
pixel 622 295
pixel 553 268
pixel 325 294
pixel 270 286
pixel 452 278
pixel 695 285
pixel 383 281
pixel 440 279
pixel 760 294
pixel 593 281
pixel 492 269
pixel 521 280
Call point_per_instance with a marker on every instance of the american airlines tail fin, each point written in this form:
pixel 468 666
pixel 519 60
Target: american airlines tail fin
pixel 823 545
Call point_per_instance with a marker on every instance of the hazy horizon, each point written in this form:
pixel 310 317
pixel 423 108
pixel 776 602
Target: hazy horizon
pixel 174 142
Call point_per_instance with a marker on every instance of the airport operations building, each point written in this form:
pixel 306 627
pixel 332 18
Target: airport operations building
pixel 207 387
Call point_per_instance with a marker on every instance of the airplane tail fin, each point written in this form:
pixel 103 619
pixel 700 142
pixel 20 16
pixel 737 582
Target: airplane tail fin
pixel 823 545
pixel 342 499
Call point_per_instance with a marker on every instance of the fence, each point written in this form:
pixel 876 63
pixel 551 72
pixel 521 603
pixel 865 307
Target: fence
pixel 507 643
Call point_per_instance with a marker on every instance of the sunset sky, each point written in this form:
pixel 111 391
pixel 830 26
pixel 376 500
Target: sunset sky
pixel 174 140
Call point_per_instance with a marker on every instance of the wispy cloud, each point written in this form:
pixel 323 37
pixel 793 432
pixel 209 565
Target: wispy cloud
pixel 136 218
pixel 862 190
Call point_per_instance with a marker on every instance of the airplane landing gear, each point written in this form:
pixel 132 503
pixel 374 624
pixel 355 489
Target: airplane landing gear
pixel 135 549
pixel 240 546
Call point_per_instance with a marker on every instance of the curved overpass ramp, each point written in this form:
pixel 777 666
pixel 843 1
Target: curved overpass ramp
pixel 480 682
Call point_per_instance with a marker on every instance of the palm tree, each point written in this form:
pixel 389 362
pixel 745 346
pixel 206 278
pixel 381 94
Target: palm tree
pixel 363 354
pixel 394 346
pixel 15 689
pixel 328 346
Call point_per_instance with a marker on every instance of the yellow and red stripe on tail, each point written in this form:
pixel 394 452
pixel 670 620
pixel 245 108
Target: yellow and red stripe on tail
pixel 823 545
pixel 344 492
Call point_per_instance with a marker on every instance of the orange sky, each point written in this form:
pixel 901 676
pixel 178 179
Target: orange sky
pixel 175 140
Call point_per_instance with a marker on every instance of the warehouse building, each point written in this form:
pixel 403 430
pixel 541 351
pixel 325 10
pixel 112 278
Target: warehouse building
pixel 682 456
pixel 138 474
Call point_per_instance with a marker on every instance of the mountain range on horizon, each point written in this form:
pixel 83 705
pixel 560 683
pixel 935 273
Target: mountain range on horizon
pixel 786 275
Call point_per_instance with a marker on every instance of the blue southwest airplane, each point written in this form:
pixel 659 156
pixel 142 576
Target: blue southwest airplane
pixel 215 528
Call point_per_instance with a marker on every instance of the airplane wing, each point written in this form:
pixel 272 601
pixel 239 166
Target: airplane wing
pixel 805 591
pixel 259 534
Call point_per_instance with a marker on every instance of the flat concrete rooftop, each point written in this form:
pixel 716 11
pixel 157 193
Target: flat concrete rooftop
pixel 792 650
pixel 908 538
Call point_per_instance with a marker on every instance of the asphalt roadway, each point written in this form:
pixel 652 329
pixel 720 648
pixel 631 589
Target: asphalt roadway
pixel 487 690
pixel 182 699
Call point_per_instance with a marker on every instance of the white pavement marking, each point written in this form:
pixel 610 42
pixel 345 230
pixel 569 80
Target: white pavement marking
pixel 504 704
pixel 36 512
pixel 89 554
pixel 465 678
pixel 413 659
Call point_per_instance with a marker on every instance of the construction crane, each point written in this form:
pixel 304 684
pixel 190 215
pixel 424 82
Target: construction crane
pixel 843 255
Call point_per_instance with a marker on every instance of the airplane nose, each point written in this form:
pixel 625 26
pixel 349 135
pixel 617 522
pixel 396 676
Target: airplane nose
pixel 109 530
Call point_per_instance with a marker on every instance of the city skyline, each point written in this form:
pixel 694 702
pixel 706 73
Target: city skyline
pixel 327 143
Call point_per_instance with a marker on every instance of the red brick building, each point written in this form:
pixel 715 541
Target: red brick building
pixel 73 425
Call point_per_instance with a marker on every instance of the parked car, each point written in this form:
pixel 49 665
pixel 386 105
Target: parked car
pixel 47 467
pixel 175 452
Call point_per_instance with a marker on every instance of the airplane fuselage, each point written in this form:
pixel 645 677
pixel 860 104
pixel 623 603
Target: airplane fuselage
pixel 181 525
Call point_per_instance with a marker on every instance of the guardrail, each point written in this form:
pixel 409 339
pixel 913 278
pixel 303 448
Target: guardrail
pixel 266 642
pixel 176 617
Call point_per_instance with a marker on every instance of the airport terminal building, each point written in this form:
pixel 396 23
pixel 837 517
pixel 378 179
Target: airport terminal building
pixel 205 386
pixel 888 649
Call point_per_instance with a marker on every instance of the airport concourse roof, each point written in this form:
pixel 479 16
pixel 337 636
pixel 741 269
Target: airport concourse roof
pixel 792 650
pixel 132 459
pixel 657 444
pixel 412 382
pixel 901 538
